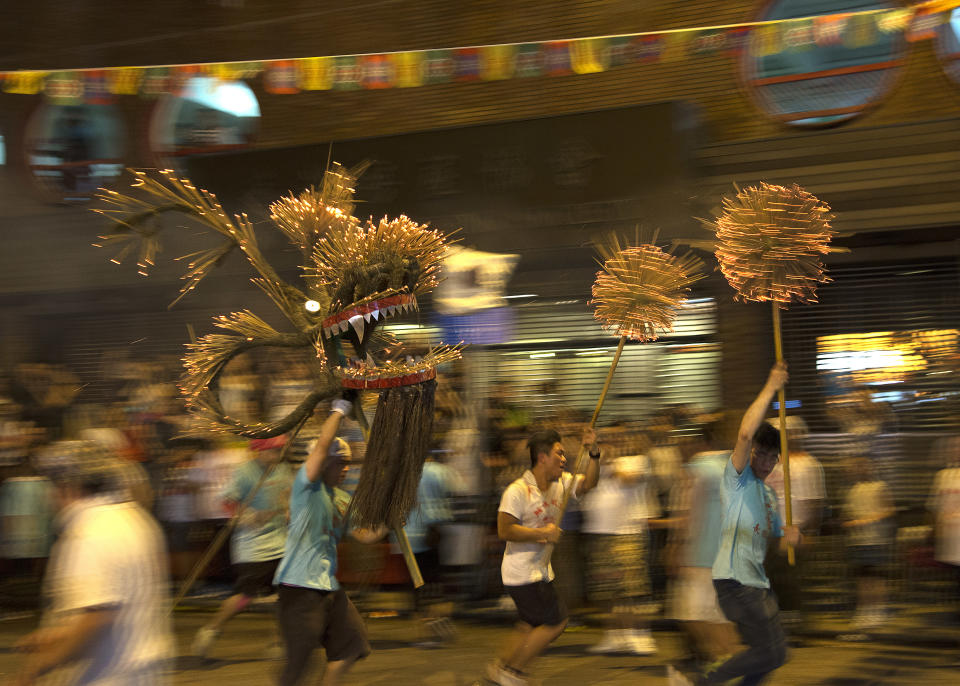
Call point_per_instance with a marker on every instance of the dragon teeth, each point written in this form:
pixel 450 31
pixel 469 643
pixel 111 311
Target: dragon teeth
pixel 358 326
pixel 343 325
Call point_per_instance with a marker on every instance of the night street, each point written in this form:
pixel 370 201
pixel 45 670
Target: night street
pixel 237 658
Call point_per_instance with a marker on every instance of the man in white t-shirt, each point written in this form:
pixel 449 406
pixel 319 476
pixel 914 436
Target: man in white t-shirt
pixel 107 613
pixel 527 520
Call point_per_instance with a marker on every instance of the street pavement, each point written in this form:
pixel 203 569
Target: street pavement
pixel 239 657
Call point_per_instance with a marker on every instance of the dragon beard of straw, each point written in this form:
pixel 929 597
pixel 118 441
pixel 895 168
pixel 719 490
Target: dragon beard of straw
pixel 396 451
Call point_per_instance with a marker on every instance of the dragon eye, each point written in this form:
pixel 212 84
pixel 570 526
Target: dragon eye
pixel 312 306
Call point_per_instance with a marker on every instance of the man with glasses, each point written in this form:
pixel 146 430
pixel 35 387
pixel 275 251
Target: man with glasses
pixel 750 519
pixel 527 520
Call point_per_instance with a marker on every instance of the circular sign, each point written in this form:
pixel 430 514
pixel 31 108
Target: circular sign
pixel 208 116
pixel 72 150
pixel 821 62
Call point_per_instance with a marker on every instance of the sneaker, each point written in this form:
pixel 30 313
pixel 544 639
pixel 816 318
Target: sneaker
pixel 640 643
pixel 203 640
pixel 611 642
pixel 677 678
pixel 508 677
pixel 443 630
pixel 496 673
pixel 492 671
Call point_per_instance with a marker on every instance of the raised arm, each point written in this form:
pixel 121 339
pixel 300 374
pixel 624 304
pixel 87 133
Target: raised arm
pixel 592 474
pixel 328 431
pixel 756 414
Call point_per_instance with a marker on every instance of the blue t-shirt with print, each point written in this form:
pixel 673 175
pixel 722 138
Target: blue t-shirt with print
pixel 263 541
pixel 750 519
pixel 318 520
pixel 433 505
pixel 707 471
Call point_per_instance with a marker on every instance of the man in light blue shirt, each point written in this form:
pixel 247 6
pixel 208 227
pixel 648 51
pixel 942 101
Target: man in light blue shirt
pixel 256 545
pixel 750 519
pixel 314 610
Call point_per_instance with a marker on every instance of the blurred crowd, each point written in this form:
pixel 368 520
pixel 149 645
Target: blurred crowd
pixel 628 547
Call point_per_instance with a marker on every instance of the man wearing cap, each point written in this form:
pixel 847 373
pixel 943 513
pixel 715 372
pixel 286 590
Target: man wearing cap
pixel 261 530
pixel 106 580
pixel 314 610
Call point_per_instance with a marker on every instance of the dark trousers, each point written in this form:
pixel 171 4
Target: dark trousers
pixel 310 619
pixel 755 612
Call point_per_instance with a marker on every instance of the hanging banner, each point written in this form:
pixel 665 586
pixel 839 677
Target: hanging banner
pixel 894 21
pixel 708 43
pixel 924 26
pixel 798 35
pixel 237 71
pixel 96 88
pixel 675 46
pixel 316 73
pixel 529 60
pixel 24 82
pixel 556 58
pixel 737 39
pixel 497 62
pixel 124 81
pixel 347 74
pixel 467 65
pixel 588 55
pixel 648 49
pixel 64 88
pixel 829 30
pixel 377 71
pixel 766 40
pixel 437 66
pixel 156 82
pixel 282 78
pixel 861 31
pixel 408 68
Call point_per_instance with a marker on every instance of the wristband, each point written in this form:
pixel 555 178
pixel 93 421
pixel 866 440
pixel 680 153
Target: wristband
pixel 594 456
pixel 342 406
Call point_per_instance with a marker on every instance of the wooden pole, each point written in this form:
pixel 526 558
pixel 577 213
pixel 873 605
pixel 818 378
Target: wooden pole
pixel 782 412
pixel 227 530
pixel 593 421
pixel 402 541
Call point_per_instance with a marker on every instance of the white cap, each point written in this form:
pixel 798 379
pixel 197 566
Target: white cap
pixel 795 425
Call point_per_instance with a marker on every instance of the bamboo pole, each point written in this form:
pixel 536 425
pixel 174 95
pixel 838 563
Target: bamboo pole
pixel 782 412
pixel 227 530
pixel 402 541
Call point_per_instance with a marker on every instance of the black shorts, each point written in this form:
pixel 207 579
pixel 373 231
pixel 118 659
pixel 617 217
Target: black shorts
pixel 310 619
pixel 255 578
pixel 432 590
pixel 538 604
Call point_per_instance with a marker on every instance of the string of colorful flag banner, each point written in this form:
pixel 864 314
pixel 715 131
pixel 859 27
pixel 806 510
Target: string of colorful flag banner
pixel 491 62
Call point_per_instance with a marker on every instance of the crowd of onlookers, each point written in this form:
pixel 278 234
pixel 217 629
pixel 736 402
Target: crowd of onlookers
pixel 631 526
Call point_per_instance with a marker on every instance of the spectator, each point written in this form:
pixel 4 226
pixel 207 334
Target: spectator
pixel 106 579
pixel 870 531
